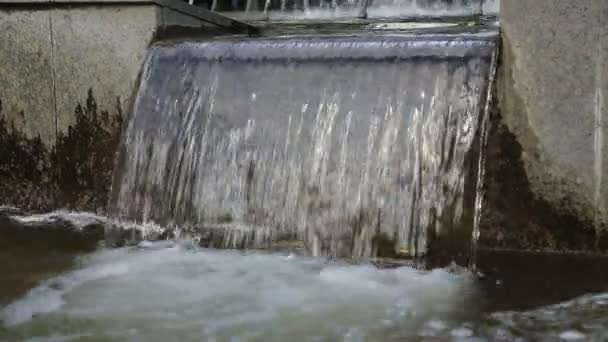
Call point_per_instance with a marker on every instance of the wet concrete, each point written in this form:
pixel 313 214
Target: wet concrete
pixel 516 218
pixel 547 150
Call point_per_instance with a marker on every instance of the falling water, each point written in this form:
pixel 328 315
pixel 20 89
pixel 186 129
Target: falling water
pixel 481 164
pixel 320 9
pixel 355 146
pixel 598 141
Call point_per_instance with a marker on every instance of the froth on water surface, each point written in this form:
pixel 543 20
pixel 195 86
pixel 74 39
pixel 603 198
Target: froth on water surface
pixel 174 290
pixel 168 292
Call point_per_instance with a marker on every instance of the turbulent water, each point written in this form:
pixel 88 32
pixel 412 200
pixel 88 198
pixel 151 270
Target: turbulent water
pixel 170 291
pixel 357 146
pixel 175 293
pixel 174 290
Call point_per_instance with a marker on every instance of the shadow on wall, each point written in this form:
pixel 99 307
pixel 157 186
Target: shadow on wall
pixel 74 174
pixel 514 218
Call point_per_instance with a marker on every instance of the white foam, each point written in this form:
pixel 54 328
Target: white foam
pixel 461 332
pixel 77 219
pixel 49 296
pixel 157 291
pixel 221 293
pixel 437 325
pixel 572 335
pixel 147 229
pixel 8 208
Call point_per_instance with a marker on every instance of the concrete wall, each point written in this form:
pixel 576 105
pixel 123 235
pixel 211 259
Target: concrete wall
pixel 26 82
pixel 67 73
pixel 101 49
pixel 548 151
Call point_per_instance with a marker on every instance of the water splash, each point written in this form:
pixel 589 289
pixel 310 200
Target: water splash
pixel 76 220
pixel 355 146
pixel 216 295
pixel 220 295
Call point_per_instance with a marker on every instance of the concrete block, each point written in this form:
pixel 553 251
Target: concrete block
pixel 552 82
pixel 171 18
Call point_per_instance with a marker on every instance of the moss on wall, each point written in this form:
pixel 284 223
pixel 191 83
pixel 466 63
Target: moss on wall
pixel 75 173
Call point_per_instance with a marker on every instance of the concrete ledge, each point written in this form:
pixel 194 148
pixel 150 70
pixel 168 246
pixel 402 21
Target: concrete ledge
pixel 175 5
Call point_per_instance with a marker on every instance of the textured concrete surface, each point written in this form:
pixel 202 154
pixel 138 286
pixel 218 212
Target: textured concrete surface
pixel 552 86
pixel 67 74
pixel 26 82
pixel 101 49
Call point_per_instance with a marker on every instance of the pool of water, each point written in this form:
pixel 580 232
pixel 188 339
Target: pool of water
pixel 173 291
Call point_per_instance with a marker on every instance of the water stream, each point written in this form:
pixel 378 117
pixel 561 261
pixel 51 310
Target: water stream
pixel 355 146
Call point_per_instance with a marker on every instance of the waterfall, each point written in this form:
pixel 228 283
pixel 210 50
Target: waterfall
pixel 323 9
pixel 354 146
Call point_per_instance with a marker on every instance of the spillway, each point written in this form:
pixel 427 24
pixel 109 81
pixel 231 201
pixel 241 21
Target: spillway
pixel 352 145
